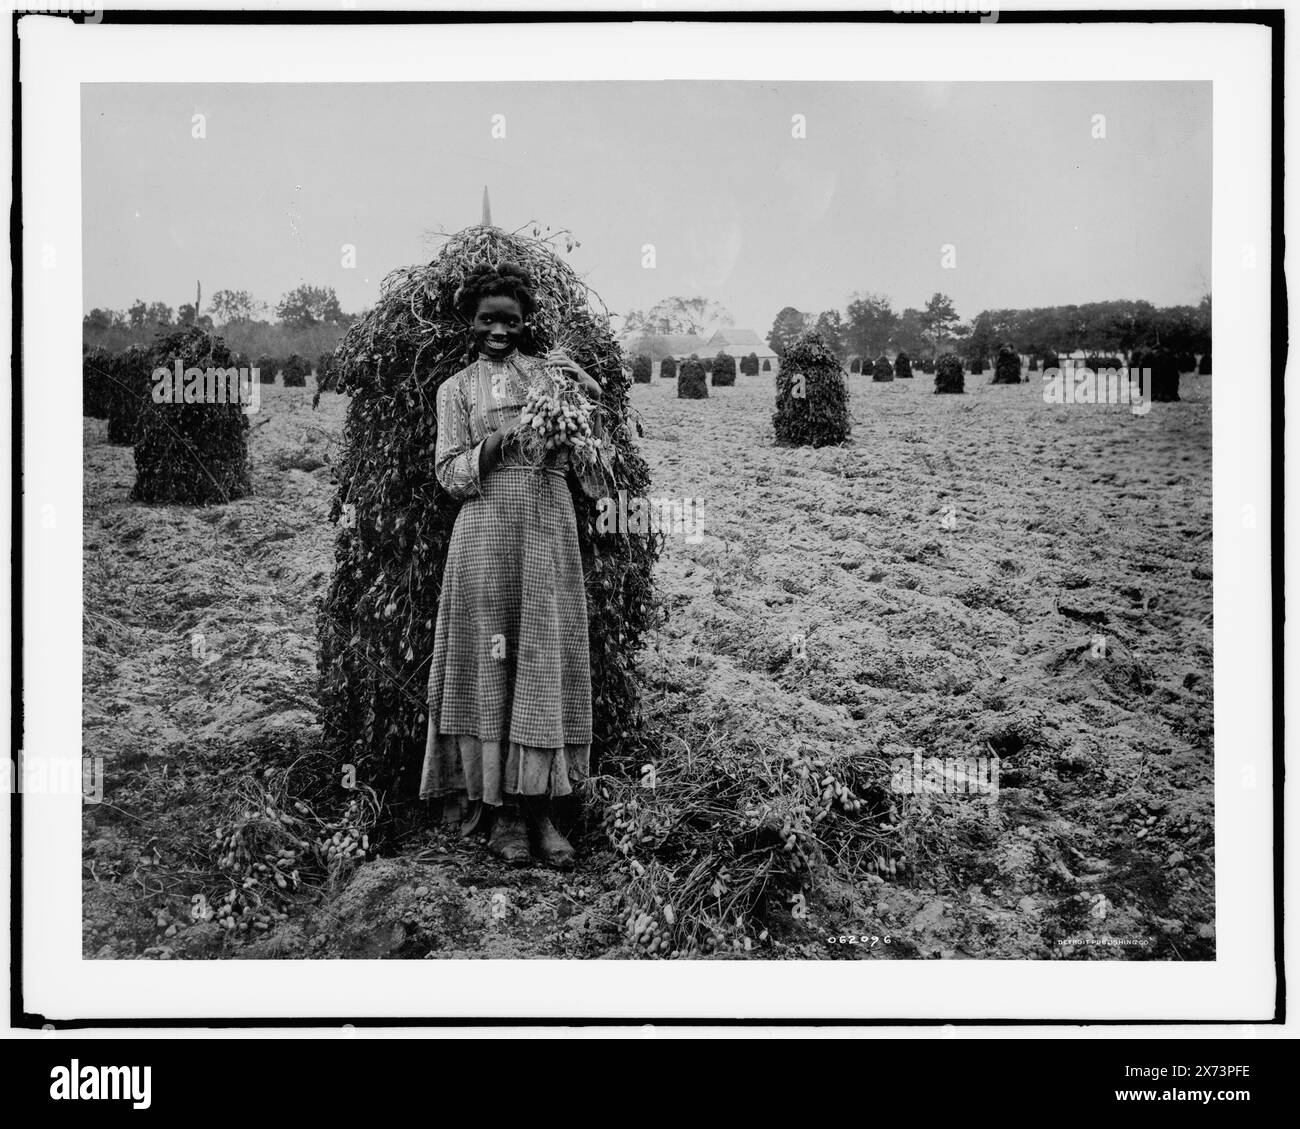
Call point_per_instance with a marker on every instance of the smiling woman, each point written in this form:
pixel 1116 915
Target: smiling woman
pixel 510 681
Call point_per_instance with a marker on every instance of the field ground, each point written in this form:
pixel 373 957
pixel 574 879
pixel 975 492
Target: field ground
pixel 949 571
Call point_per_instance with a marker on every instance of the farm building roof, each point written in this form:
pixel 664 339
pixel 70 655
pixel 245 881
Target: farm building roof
pixel 738 341
pixel 657 346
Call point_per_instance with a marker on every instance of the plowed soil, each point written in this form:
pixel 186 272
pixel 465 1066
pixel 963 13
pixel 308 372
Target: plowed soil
pixel 970 575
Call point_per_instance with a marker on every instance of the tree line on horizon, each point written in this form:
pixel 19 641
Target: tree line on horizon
pixel 308 321
pixel 870 327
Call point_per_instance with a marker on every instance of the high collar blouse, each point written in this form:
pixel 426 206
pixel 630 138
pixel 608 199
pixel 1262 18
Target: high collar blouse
pixel 484 396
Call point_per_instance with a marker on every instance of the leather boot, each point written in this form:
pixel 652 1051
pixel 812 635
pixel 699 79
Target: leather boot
pixel 509 838
pixel 554 848
pixel 476 818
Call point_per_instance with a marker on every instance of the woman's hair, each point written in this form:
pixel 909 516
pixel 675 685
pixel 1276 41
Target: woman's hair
pixel 505 281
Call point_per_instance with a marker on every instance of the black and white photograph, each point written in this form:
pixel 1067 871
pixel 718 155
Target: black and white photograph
pixel 728 519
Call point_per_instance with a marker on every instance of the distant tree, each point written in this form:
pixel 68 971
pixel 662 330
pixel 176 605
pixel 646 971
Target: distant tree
pixel 830 326
pixel 668 368
pixel 882 370
pixel 937 319
pixel 855 365
pixel 958 338
pixel 1070 327
pixel 749 365
pixel 100 321
pixel 677 315
pixel 642 367
pixel 161 315
pixel 903 367
pixel 789 324
pixel 869 325
pixel 138 315
pixel 908 335
pixel 982 339
pixel 767 365
pixel 306 306
pixel 1033 329
pixel 1122 325
pixel 1205 364
pixel 234 305
pixel 266 367
pixel 185 318
pixel 1180 329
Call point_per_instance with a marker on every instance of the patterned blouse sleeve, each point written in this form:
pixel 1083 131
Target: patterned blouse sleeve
pixel 455 460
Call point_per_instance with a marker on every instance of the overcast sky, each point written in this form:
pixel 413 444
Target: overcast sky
pixel 1038 210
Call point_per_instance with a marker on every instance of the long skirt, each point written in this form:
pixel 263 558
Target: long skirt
pixel 510 681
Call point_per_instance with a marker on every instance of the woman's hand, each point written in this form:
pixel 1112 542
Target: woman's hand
pixel 558 358
pixel 490 457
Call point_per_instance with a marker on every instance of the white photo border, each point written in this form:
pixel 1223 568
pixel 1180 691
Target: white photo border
pixel 57 56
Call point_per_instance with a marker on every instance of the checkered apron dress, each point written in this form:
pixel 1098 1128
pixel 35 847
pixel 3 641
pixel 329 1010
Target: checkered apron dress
pixel 510 681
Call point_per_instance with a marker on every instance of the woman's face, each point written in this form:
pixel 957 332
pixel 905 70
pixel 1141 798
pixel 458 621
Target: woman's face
pixel 498 325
